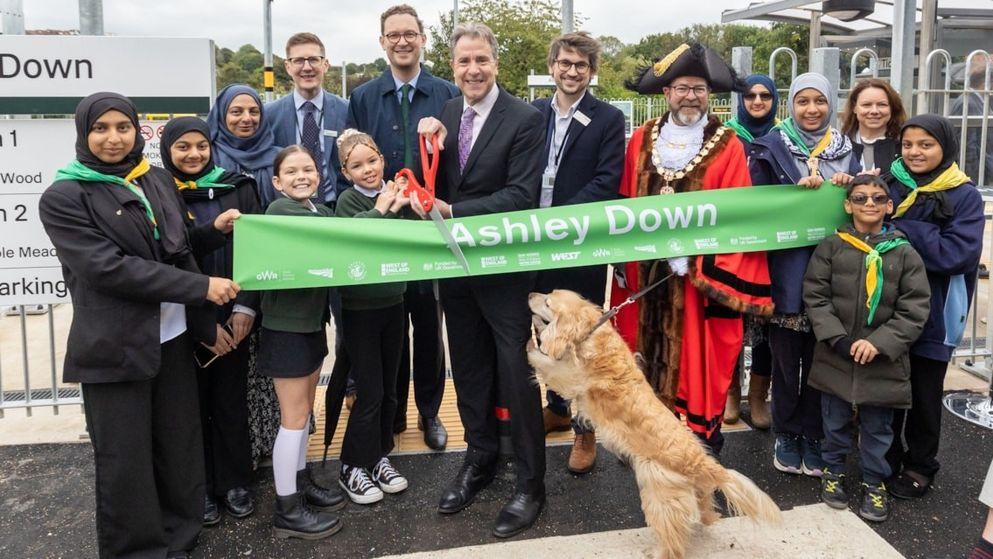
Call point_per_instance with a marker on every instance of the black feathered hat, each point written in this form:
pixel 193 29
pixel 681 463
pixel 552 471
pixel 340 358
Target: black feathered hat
pixel 687 60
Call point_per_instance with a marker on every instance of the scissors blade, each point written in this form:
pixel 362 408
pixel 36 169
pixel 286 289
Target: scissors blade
pixel 446 234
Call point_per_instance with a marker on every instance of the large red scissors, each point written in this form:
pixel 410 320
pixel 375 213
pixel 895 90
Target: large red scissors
pixel 425 194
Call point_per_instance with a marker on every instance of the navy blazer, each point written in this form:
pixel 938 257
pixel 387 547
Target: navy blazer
pixel 283 114
pixel 593 155
pixel 374 109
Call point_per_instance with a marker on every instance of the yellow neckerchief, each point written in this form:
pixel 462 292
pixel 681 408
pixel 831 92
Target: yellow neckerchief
pixel 952 177
pixel 873 267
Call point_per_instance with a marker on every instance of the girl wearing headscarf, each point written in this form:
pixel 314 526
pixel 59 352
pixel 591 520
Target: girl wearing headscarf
pixel 940 211
pixel 242 137
pixel 804 149
pixel 757 108
pixel 139 301
pixel 209 190
pixel 873 117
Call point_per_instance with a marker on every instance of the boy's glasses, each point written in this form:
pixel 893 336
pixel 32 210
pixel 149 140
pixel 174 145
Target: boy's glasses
pixel 863 199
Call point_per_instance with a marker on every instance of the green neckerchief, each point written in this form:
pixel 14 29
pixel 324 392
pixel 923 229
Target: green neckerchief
pixel 740 130
pixel 79 172
pixel 873 267
pixel 207 181
pixel 900 173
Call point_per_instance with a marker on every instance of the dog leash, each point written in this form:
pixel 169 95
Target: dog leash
pixel 614 310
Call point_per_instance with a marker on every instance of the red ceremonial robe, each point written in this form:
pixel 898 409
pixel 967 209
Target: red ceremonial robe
pixel 689 330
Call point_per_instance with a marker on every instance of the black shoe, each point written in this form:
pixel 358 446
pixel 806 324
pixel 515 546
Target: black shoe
pixel 435 434
pixel 318 496
pixel 399 423
pixel 875 503
pixel 833 489
pixel 292 518
pixel 518 514
pixel 211 514
pixel 238 502
pixel 178 555
pixel 907 486
pixel 470 480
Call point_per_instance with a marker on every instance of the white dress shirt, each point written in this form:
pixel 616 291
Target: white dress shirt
pixel 482 108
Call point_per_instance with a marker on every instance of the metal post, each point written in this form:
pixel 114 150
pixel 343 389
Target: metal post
pixel 567 17
pixel 929 19
pixel 815 32
pixel 268 76
pixel 827 62
pixel 902 57
pixel 741 61
pixel 91 17
pixel 455 15
pixel 51 355
pixel 11 19
pixel 24 357
pixel 344 80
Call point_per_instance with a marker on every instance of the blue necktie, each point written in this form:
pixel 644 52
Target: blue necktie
pixel 310 137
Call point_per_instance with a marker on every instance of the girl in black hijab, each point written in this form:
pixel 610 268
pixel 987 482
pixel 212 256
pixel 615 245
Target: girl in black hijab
pixel 941 213
pixel 138 301
pixel 208 191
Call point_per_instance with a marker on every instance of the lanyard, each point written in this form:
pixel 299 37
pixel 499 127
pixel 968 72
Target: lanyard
pixel 552 128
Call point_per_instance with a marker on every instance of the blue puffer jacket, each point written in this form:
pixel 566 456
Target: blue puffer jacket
pixel 770 162
pixel 946 229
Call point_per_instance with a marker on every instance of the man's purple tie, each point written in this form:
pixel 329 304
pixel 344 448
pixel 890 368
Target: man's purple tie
pixel 465 136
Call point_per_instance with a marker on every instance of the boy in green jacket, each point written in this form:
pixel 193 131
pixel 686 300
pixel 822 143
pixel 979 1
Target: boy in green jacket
pixel 867 297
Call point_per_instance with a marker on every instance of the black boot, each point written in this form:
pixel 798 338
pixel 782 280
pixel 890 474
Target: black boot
pixel 292 518
pixel 319 497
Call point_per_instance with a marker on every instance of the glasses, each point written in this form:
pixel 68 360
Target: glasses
pixel 762 96
pixel 683 91
pixel 299 61
pixel 863 199
pixel 565 66
pixel 395 36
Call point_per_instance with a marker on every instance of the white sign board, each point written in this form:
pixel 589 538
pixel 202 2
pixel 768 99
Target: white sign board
pixel 44 74
pixel 31 151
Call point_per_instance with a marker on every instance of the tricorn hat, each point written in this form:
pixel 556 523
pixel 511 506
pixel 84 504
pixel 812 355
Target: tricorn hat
pixel 687 60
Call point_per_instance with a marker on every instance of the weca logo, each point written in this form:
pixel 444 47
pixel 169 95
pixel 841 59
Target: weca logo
pixel 267 275
pixel 560 256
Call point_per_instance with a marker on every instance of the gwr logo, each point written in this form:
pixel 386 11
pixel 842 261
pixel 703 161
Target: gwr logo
pixel 267 275
pixel 560 256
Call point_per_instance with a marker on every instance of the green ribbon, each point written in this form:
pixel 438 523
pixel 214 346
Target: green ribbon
pixel 283 252
pixel 78 172
pixel 740 130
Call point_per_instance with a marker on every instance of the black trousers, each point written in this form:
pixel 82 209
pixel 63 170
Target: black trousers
pixel 489 324
pixel 224 415
pixel 796 407
pixel 148 451
pixel 372 342
pixel 761 359
pixel 920 426
pixel 423 311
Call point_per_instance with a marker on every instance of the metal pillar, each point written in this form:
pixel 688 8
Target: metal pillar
pixel 929 20
pixel 902 57
pixel 815 33
pixel 827 62
pixel 91 17
pixel 268 75
pixel 455 15
pixel 741 61
pixel 567 17
pixel 11 17
pixel 344 81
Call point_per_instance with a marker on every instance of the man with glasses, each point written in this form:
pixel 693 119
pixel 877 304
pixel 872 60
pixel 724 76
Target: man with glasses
pixel 310 115
pixel 584 151
pixel 689 333
pixel 388 109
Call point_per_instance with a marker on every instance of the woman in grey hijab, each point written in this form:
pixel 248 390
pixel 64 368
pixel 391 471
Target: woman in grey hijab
pixel 804 149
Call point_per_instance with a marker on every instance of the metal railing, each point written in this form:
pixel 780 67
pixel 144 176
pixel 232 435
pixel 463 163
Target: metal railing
pixel 51 394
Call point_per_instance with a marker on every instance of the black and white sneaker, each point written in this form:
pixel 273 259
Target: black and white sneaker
pixel 359 487
pixel 388 478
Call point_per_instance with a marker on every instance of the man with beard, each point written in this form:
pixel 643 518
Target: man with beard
pixel 688 331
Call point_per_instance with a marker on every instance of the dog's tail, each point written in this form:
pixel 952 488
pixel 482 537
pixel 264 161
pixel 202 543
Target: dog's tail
pixel 744 498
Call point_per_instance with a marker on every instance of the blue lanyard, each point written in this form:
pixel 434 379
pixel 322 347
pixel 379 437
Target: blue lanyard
pixel 551 135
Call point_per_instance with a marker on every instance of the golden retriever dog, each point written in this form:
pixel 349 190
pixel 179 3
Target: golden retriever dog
pixel 676 476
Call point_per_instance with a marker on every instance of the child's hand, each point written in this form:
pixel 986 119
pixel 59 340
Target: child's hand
pixel 386 198
pixel 400 202
pixel 812 182
pixel 864 352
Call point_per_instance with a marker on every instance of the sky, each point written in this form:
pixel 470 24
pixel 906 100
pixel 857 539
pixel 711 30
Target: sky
pixel 348 28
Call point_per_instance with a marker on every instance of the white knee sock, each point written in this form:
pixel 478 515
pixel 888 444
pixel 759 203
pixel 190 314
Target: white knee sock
pixel 285 455
pixel 302 459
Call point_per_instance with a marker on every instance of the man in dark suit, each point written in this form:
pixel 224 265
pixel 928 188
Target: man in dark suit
pixel 584 155
pixel 311 116
pixel 388 109
pixel 491 163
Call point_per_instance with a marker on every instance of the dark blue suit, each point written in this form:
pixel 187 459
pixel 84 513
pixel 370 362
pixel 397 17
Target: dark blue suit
pixel 374 108
pixel 283 114
pixel 589 170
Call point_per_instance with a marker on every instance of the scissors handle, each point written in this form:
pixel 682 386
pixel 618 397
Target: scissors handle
pixel 414 188
pixel 430 162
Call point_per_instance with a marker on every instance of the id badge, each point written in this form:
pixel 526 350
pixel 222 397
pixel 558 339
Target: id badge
pixel 547 187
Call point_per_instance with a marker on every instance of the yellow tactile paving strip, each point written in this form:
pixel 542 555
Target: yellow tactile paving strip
pixel 411 441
